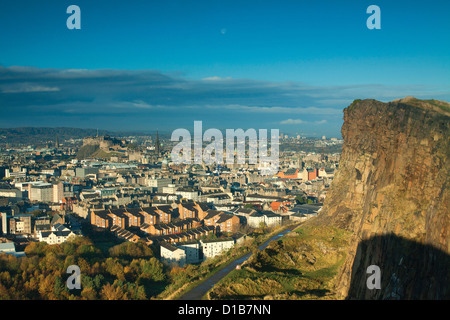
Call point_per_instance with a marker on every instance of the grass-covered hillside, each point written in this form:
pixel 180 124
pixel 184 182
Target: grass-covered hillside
pixel 301 265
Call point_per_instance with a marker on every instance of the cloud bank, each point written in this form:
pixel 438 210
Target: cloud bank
pixel 149 99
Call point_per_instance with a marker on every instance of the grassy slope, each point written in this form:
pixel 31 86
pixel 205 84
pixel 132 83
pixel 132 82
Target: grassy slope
pixel 299 266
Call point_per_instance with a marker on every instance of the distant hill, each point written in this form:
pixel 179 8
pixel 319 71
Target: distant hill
pixel 101 147
pixel 42 135
pixel 39 135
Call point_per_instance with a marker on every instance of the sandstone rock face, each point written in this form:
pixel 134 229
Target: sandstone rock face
pixel 392 192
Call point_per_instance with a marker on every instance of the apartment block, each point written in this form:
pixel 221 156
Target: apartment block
pixel 212 248
pixel 16 224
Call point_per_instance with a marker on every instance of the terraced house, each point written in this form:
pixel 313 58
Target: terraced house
pixel 193 210
pixel 130 217
pixel 225 222
pixel 196 220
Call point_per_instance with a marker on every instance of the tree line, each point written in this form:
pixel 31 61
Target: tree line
pixel 126 271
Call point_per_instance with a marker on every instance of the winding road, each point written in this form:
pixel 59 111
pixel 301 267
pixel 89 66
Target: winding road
pixel 199 291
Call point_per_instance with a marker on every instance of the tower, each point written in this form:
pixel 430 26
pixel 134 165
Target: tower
pixel 300 162
pixel 157 144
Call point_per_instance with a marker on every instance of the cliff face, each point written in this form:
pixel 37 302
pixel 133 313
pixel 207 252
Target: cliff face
pixel 391 191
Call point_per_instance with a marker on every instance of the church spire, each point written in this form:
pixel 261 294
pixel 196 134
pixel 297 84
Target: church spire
pixel 157 143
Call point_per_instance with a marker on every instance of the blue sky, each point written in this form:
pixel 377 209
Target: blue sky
pixel 290 65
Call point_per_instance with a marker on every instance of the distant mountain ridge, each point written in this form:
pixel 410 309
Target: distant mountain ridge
pixel 39 135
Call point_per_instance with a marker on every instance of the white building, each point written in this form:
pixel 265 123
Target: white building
pixel 212 248
pixel 171 188
pixel 218 198
pixel 11 193
pixel 268 218
pixel 171 254
pixel 188 193
pixel 271 219
pixel 42 192
pixel 192 250
pixel 55 237
pixel 22 174
pixel 58 234
pixel 159 183
pixel 255 219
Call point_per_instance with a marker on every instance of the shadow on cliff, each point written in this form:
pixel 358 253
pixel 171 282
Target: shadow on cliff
pixel 409 270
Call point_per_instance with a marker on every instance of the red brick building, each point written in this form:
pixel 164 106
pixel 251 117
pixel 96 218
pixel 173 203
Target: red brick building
pixel 226 222
pixel 193 210
pixel 289 174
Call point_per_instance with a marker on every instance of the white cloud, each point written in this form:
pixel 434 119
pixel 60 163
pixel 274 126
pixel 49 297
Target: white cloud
pixel 28 88
pixel 299 121
pixel 275 109
pixel 216 78
pixel 292 121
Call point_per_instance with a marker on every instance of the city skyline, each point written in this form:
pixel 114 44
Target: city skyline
pixel 292 65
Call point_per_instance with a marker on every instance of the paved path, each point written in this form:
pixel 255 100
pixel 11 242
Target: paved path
pixel 199 291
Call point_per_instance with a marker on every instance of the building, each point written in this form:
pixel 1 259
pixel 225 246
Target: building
pixel 157 144
pixel 17 175
pixel 11 193
pixel 118 217
pixel 281 207
pixel 9 248
pixel 160 229
pixel 130 217
pixel 125 234
pixel 212 248
pixel 101 219
pixel 191 234
pixel 135 218
pixel 159 183
pixel 289 174
pixel 225 222
pixel 164 212
pixel 42 192
pixel 255 219
pixel 303 212
pixel 193 210
pixel 313 174
pixel 84 171
pixel 16 224
pixel 68 202
pixel 228 223
pixel 149 215
pixel 193 251
pixel 62 190
pixel 218 198
pixel 243 214
pixel 171 254
pixel 267 218
pixel 271 219
pixel 188 193
pixel 170 189
pixel 55 237
pixel 262 198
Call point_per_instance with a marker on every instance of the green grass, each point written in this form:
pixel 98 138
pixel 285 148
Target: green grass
pixel 437 103
pixel 199 273
pixel 300 266
pixel 350 107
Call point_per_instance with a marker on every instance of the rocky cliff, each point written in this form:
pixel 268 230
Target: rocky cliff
pixel 392 193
